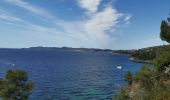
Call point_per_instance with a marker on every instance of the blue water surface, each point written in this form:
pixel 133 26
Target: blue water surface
pixel 69 75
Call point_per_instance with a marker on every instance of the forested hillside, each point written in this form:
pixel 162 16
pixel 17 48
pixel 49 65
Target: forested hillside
pixel 152 82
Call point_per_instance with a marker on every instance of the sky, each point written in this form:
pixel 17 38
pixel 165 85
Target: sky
pixel 105 24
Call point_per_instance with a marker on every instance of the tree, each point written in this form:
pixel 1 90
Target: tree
pixel 165 30
pixel 144 75
pixel 15 86
pixel 162 59
pixel 129 78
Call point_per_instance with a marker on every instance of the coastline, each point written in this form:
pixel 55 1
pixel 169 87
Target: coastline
pixel 138 60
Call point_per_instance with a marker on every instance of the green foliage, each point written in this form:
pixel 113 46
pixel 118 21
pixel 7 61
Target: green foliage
pixel 157 92
pixel 123 95
pixel 165 31
pixel 144 54
pixel 129 78
pixel 149 53
pixel 15 86
pixel 154 83
pixel 144 75
pixel 144 72
pixel 162 59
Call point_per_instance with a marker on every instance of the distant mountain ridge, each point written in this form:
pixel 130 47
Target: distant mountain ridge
pixel 134 52
pixel 68 48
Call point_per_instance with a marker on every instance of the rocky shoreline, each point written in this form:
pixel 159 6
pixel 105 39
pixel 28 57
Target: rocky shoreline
pixel 138 60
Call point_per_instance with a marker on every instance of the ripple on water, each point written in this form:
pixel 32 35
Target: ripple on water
pixel 67 75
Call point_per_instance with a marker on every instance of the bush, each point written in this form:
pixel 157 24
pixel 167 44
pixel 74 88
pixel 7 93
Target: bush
pixel 144 76
pixel 15 86
pixel 123 95
pixel 129 78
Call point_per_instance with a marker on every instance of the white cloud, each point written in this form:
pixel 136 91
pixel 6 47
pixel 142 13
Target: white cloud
pixel 92 30
pixel 8 18
pixel 100 23
pixel 90 5
pixel 128 17
pixel 103 20
pixel 29 7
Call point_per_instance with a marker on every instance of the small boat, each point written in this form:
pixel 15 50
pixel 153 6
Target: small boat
pixel 119 67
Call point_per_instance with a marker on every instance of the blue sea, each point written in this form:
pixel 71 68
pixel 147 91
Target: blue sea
pixel 70 75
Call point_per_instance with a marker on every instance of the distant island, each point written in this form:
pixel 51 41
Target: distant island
pixel 68 49
pixel 83 49
pixel 140 55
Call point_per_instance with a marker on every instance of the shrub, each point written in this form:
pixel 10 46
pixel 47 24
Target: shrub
pixel 15 86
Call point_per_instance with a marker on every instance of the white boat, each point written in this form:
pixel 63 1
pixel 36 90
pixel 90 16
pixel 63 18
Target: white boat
pixel 119 67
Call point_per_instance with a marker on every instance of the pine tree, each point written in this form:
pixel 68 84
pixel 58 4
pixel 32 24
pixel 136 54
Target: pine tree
pixel 129 78
pixel 15 86
pixel 165 30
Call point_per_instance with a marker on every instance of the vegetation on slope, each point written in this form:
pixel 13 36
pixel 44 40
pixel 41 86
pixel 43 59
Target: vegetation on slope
pixel 145 54
pixel 149 53
pixel 151 83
